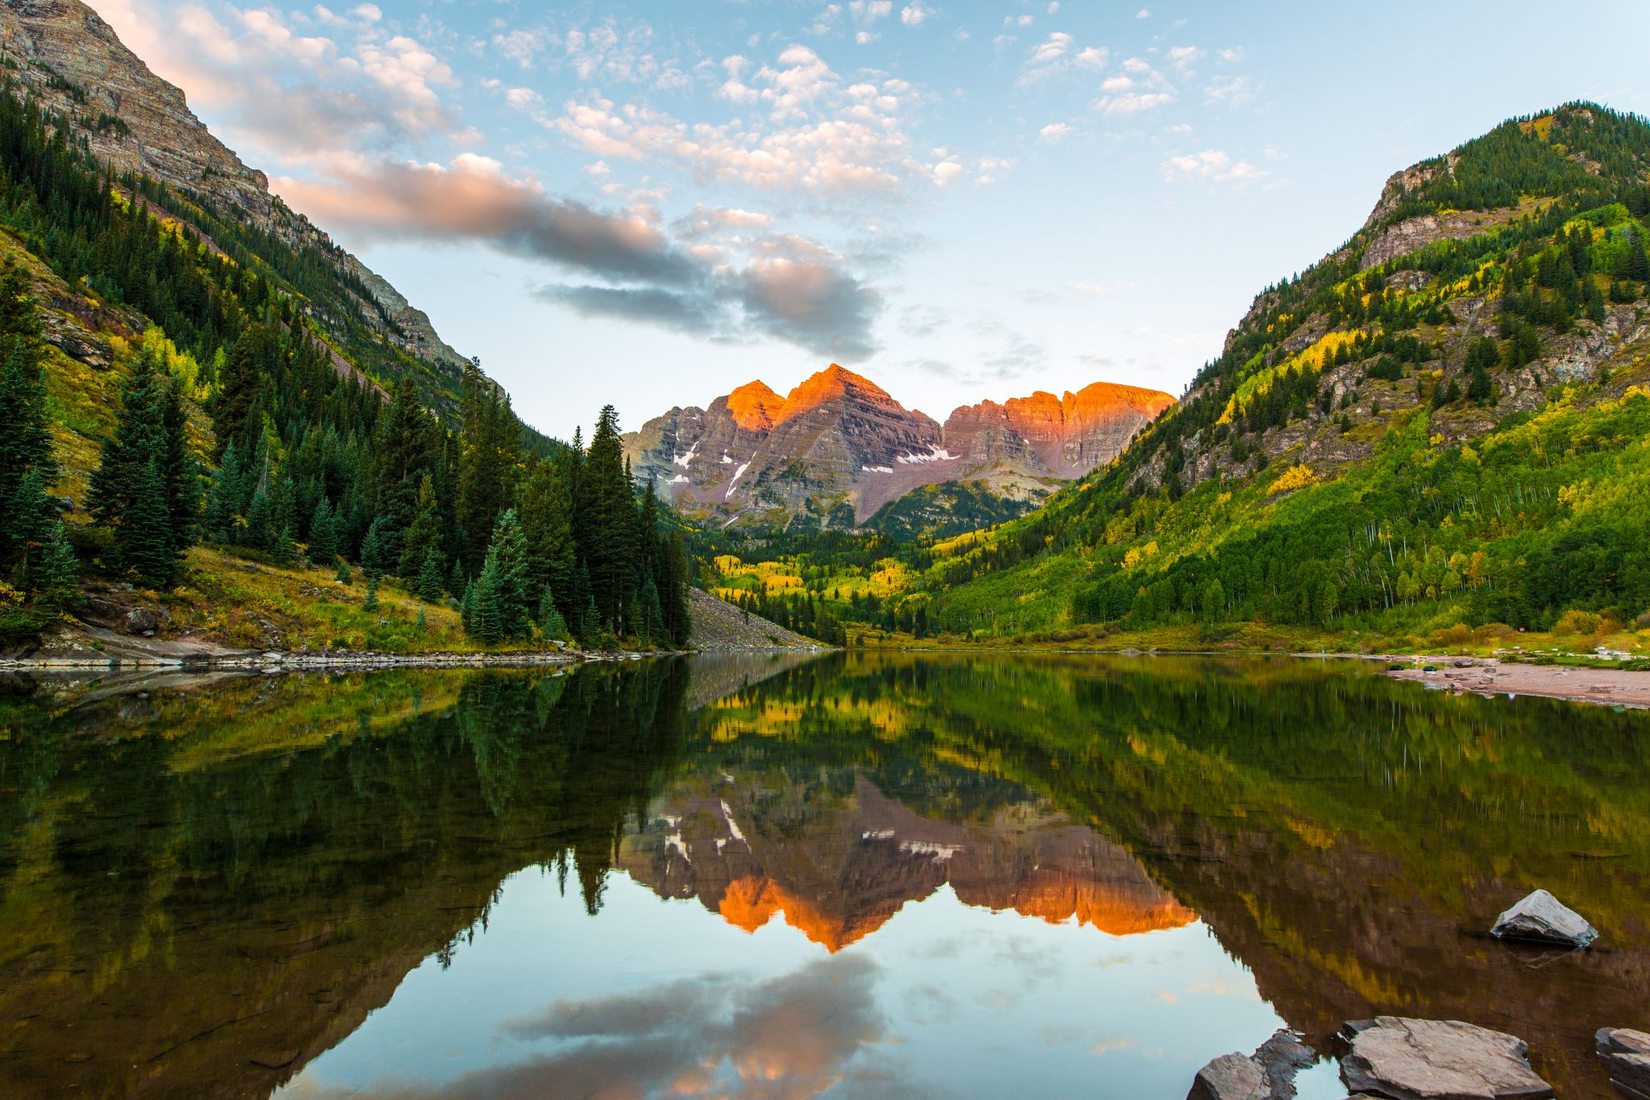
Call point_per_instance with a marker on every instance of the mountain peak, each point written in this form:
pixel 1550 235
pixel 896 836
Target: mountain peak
pixel 833 382
pixel 754 406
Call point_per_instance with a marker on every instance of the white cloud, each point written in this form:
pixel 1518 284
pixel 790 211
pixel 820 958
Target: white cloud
pixel 1129 103
pixel 1055 131
pixel 1143 13
pixel 915 14
pixel 1184 57
pixel 1213 165
pixel 1232 91
pixel 1093 57
pixel 1232 53
pixel 522 98
pixel 817 132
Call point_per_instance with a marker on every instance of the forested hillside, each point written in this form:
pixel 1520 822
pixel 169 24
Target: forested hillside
pixel 169 380
pixel 1443 424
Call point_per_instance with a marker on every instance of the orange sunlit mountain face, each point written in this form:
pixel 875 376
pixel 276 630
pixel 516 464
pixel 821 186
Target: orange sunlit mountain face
pixel 838 868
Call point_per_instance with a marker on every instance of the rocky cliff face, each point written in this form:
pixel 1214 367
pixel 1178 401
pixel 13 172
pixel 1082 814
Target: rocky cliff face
pixel 72 62
pixel 838 447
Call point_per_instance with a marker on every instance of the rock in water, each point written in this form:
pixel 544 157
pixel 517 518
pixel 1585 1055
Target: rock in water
pixel 1626 1054
pixel 1230 1077
pixel 1268 1074
pixel 1439 1060
pixel 1542 918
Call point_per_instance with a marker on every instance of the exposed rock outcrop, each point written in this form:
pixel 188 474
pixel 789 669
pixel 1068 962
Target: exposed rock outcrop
pixel 1626 1054
pixel 1405 1059
pixel 70 59
pixel 838 447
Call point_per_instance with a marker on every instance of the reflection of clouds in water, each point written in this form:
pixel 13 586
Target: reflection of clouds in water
pixel 927 1005
pixel 790 1036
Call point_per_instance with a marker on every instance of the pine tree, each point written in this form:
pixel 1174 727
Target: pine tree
pixel 343 574
pixel 56 577
pixel 487 462
pixel 260 520
pixel 500 607
pixel 222 499
pixel 551 623
pixel 424 534
pixel 376 555
pixel 143 534
pixel 237 407
pixel 606 522
pixel 147 454
pixel 370 602
pixel 323 533
pixel 547 521
pixel 429 575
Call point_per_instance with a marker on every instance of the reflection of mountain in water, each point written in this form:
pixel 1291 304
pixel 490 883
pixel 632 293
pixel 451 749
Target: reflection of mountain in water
pixel 838 867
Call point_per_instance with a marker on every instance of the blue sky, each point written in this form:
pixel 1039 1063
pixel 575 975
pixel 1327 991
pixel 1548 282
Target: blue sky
pixel 648 204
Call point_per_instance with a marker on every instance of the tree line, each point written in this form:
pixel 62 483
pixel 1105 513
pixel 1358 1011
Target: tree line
pixel 311 459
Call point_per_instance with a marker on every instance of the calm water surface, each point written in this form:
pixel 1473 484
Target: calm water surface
pixel 860 875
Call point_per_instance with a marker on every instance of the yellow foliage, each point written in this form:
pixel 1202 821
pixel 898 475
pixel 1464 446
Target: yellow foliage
pixel 1296 477
pixel 1312 358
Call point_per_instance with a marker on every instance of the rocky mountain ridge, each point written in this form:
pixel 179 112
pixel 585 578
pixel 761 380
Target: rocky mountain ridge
pixel 71 61
pixel 838 447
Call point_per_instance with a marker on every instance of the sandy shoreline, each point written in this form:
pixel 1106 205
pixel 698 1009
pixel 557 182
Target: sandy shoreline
pixel 1487 677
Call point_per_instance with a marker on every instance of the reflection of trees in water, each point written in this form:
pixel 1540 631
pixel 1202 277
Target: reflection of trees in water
pixel 155 890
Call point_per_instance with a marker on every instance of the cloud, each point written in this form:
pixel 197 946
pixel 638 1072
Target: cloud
pixel 1184 57
pixel 288 98
pixel 793 1036
pixel 1128 103
pixel 816 131
pixel 1231 91
pixel 721 273
pixel 1055 131
pixel 1213 165
pixel 915 14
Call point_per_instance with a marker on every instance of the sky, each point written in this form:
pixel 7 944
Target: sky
pixel 648 204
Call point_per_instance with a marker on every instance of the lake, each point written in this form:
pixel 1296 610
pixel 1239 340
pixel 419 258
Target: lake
pixel 856 875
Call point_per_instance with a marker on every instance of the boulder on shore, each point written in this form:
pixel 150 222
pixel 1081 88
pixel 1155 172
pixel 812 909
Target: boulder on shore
pixel 1268 1074
pixel 1542 918
pixel 1230 1077
pixel 1406 1059
pixel 1626 1054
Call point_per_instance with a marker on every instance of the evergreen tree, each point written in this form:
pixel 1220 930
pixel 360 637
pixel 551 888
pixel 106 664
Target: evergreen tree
pixel 370 602
pixel 143 532
pixel 547 522
pixel 147 453
pixel 237 407
pixel 343 574
pixel 487 462
pixel 222 499
pixel 551 623
pixel 606 522
pixel 56 577
pixel 500 607
pixel 260 519
pixel 323 533
pixel 1481 356
pixel 429 575
pixel 376 557
pixel 424 535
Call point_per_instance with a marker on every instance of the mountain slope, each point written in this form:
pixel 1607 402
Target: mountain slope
pixel 64 56
pixel 838 448
pixel 1440 423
